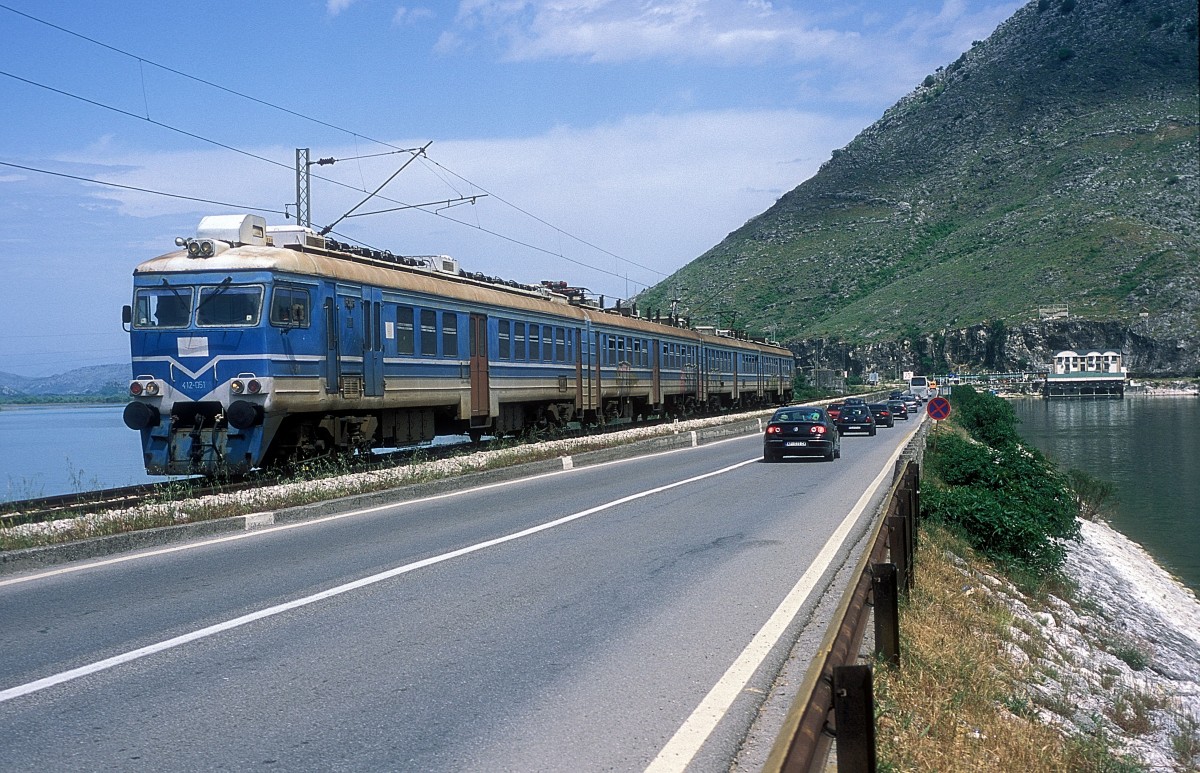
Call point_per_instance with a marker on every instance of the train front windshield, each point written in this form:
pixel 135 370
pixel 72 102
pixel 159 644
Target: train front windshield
pixel 176 306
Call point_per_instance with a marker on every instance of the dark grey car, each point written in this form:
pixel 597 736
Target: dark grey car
pixel 801 431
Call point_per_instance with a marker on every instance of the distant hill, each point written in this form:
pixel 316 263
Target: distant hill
pixel 96 382
pixel 1055 163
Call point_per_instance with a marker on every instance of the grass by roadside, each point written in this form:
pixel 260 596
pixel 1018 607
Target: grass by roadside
pixel 1007 662
pixel 960 701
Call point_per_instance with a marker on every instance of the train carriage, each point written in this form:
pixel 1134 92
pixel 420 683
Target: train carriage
pixel 254 345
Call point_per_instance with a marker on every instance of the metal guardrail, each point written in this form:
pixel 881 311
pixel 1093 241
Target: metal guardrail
pixel 835 700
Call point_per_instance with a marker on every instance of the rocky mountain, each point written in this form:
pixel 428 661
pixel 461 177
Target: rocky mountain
pixel 92 382
pixel 1055 164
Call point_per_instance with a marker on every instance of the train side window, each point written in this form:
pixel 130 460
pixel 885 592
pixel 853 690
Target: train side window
pixel 449 334
pixel 503 338
pixel 429 332
pixel 290 307
pixel 404 330
pixel 535 343
pixel 519 341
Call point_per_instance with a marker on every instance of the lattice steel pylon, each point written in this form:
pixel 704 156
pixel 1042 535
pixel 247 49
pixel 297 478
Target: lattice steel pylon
pixel 303 213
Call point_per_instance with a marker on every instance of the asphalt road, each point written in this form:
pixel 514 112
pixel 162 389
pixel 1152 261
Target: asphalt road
pixel 593 619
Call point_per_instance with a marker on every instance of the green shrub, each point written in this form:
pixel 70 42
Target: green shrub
pixel 987 418
pixel 1008 501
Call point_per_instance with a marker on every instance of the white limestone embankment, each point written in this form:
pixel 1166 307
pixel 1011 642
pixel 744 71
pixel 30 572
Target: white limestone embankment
pixel 1121 660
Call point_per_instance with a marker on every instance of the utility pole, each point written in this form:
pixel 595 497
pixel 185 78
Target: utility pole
pixel 303 213
pixel 303 202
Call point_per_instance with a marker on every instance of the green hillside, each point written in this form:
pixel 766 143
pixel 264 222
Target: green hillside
pixel 1055 163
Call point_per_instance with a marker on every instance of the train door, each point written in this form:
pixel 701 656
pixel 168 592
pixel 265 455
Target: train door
pixel 480 389
pixel 656 397
pixel 372 341
pixel 351 346
pixel 332 339
pixel 580 370
pixel 735 361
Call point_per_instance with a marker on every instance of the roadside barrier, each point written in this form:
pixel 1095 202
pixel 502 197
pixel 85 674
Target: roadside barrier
pixel 835 702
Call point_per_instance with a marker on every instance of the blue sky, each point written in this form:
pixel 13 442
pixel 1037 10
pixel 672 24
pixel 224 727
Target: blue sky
pixel 616 141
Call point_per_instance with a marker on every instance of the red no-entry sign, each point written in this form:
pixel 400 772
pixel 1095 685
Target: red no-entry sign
pixel 938 408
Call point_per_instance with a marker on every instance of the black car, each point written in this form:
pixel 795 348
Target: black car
pixel 896 395
pixel 882 415
pixel 801 431
pixel 898 409
pixel 855 401
pixel 855 418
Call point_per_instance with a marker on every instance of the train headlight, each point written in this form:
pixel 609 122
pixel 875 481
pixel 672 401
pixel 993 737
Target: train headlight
pixel 237 386
pixel 194 248
pixel 254 387
pixel 152 389
pixel 135 388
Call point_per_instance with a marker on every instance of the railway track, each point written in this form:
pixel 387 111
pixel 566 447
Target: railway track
pixel 45 509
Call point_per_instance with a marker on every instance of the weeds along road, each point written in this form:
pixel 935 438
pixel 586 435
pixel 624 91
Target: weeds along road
pixel 598 618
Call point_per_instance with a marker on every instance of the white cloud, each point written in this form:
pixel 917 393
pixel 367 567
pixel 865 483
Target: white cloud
pixel 405 16
pixel 852 58
pixel 656 190
pixel 334 7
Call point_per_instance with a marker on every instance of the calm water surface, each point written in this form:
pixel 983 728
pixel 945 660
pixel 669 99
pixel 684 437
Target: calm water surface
pixel 66 449
pixel 49 450
pixel 1150 448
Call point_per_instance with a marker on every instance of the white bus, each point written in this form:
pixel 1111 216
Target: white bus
pixel 918 387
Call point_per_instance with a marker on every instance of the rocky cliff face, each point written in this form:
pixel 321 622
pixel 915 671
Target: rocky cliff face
pixel 1056 162
pixel 994 347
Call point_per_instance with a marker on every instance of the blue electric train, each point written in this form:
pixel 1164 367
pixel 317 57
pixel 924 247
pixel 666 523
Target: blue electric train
pixel 256 345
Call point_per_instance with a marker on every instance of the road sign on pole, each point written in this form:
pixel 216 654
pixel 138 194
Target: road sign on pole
pixel 938 408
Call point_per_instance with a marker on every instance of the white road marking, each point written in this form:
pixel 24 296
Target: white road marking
pixel 212 630
pixel 688 739
pixel 568 466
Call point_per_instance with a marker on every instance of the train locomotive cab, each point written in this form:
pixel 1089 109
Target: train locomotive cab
pixel 202 386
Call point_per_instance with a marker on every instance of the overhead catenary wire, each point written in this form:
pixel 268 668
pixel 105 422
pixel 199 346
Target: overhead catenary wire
pixel 142 60
pixel 139 189
pixel 348 238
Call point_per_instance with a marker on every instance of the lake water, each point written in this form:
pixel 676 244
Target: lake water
pixel 1150 448
pixel 50 450
pixel 65 450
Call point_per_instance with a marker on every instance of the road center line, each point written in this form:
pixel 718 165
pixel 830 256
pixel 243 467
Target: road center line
pixel 228 625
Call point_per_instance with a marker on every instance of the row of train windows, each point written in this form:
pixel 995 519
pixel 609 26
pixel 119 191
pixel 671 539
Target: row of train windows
pixel 427 326
pixel 522 341
pixel 226 305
